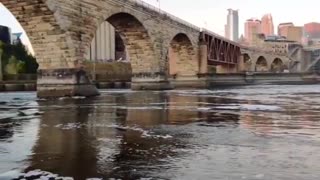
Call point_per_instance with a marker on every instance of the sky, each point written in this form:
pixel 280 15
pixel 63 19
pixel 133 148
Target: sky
pixel 212 14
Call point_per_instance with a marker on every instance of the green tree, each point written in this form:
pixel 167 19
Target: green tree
pixel 28 63
pixel 21 53
pixel 11 66
pixel 21 67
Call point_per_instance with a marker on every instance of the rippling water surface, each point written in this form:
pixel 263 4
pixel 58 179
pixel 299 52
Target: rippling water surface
pixel 253 132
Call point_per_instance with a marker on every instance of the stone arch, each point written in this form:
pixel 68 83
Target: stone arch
pixel 182 56
pixel 261 64
pixel 47 37
pixel 277 65
pixel 138 43
pixel 57 41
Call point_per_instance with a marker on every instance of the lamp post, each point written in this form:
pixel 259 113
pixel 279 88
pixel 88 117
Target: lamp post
pixel 159 5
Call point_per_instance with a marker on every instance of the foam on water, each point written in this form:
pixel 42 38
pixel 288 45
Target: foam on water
pixel 255 132
pixel 144 133
pixel 241 107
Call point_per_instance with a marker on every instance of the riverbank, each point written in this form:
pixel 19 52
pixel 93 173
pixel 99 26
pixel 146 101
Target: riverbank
pixel 242 79
pixel 32 86
pixel 207 81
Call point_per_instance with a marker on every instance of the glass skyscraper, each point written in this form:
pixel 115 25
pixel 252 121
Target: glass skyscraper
pixel 232 26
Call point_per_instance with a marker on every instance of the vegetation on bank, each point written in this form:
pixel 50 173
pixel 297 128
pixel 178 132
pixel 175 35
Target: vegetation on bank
pixel 15 59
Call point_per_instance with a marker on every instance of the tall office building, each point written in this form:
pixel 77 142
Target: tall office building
pixel 295 33
pixel 283 28
pixel 252 29
pixel 226 31
pixel 102 47
pixel 267 27
pixel 107 45
pixel 290 32
pixel 232 26
pixel 5 34
pixel 311 31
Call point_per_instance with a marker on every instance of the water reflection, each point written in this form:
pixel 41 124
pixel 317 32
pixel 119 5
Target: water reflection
pixel 63 145
pixel 244 133
pixel 19 124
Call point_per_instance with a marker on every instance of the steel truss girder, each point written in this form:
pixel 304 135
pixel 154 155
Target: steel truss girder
pixel 221 52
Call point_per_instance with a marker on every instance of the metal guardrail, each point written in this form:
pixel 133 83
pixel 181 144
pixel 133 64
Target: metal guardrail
pixel 175 18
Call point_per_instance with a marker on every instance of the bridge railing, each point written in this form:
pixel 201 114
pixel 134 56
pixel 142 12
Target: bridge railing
pixel 164 13
pixel 221 37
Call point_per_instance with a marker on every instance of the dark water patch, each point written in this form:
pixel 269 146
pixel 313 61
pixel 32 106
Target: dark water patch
pixel 2 103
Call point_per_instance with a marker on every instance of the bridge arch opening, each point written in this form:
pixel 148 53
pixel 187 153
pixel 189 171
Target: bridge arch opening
pixel 122 49
pixel 261 65
pixel 182 61
pixel 277 66
pixel 134 43
pixel 16 50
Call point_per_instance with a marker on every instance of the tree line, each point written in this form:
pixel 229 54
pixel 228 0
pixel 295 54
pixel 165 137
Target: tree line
pixel 15 59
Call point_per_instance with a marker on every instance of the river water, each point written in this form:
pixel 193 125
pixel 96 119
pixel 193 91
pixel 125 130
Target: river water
pixel 253 132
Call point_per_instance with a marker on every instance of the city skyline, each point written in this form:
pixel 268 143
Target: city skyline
pixel 267 25
pixel 212 16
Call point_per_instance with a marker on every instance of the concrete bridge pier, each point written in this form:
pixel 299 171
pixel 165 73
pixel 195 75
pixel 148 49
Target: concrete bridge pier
pixel 198 78
pixel 150 81
pixel 203 58
pixel 53 83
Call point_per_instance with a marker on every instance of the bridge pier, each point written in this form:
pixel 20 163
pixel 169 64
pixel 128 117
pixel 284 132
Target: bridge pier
pixel 203 58
pixel 150 81
pixel 188 82
pixel 53 83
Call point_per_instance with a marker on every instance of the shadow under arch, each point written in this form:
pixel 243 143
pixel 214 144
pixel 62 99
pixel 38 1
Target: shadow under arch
pixel 261 65
pixel 277 66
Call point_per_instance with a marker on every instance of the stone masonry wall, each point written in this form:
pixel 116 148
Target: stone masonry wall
pixel 182 57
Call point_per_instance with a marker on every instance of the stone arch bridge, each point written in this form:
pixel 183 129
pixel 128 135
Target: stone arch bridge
pixel 258 60
pixel 159 44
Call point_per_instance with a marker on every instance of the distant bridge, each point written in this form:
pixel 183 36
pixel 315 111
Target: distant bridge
pixel 265 59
